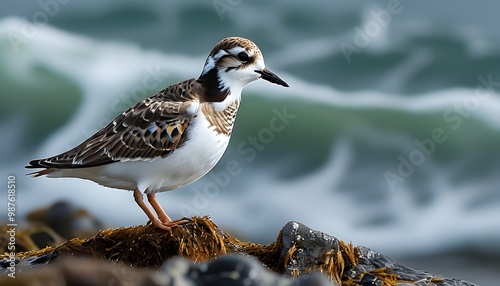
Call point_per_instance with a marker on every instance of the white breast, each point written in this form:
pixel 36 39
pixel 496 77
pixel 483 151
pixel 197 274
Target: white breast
pixel 197 156
pixel 193 160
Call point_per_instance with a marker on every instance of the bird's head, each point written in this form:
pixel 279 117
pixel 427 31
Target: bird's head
pixel 233 63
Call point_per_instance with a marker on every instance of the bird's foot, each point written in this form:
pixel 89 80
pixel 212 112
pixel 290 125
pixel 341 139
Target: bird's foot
pixel 181 221
pixel 169 225
pixel 164 226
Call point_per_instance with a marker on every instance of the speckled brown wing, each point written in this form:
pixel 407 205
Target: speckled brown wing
pixel 154 127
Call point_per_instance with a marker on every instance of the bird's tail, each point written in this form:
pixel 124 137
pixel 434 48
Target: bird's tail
pixel 36 164
pixel 41 173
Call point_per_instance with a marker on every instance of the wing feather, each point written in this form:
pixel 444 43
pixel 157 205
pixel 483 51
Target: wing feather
pixel 152 128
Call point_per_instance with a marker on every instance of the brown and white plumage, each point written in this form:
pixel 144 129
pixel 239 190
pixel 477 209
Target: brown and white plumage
pixel 152 128
pixel 171 138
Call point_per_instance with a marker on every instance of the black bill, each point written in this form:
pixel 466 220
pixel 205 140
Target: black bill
pixel 271 77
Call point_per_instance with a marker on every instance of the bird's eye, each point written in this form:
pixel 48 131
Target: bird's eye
pixel 243 57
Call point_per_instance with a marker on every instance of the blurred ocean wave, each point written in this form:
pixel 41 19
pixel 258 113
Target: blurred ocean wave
pixel 420 102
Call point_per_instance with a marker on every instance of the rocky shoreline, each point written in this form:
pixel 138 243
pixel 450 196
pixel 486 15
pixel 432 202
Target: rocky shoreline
pixel 200 253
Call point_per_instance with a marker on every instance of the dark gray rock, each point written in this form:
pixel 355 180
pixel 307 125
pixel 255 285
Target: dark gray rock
pixel 311 245
pixel 369 260
pixel 232 270
pixel 237 270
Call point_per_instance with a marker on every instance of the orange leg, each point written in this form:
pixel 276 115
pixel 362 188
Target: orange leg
pixel 158 209
pixel 154 220
pixel 164 218
pixel 161 220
